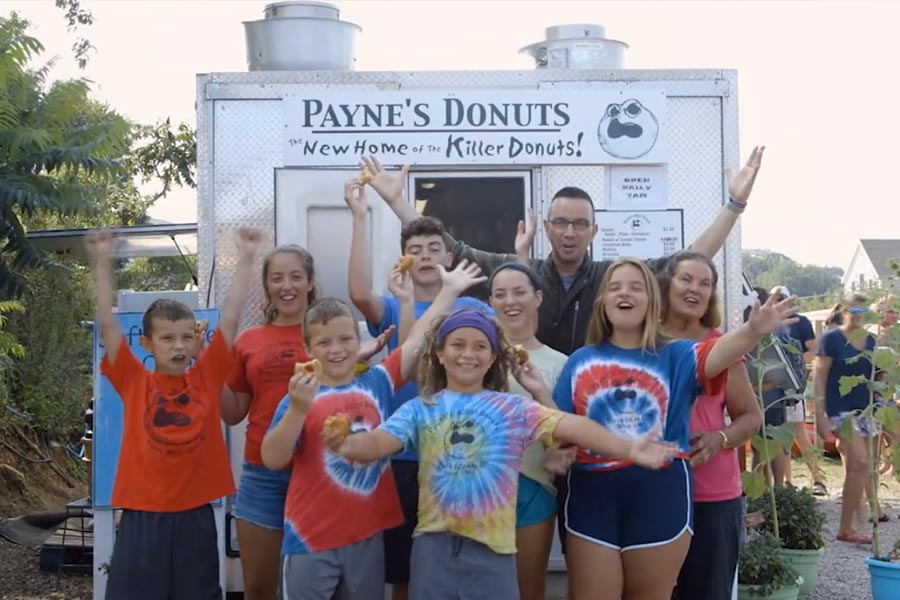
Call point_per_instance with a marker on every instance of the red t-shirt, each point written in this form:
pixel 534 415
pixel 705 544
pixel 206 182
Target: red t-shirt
pixel 332 502
pixel 264 364
pixel 173 455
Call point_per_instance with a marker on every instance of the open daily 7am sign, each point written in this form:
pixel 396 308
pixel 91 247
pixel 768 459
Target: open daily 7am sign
pixel 481 126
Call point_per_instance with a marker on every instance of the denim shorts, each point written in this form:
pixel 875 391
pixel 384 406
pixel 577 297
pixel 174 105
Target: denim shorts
pixel 863 425
pixel 260 497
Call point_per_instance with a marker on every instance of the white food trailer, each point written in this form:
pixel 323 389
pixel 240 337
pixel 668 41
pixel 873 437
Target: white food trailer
pixel 276 144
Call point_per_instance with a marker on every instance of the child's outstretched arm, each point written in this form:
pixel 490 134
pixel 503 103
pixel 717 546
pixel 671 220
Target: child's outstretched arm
pixel 279 443
pixel 585 433
pixel 248 241
pixel 735 344
pixel 453 283
pixel 100 247
pixel 359 447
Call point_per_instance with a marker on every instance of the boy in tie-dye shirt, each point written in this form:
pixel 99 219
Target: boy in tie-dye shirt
pixel 471 436
pixel 335 509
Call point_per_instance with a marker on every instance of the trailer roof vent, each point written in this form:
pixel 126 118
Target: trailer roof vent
pixel 301 36
pixel 576 47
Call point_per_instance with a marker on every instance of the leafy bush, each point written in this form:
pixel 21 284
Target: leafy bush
pixel 801 522
pixel 52 381
pixel 760 564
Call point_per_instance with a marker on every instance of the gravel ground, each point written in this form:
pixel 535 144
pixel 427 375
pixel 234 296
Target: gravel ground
pixel 20 578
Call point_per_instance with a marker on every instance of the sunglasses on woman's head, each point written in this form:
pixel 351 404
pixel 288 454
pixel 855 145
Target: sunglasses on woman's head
pixel 857 310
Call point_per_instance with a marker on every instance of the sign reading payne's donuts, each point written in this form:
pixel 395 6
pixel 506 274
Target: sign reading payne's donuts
pixel 500 126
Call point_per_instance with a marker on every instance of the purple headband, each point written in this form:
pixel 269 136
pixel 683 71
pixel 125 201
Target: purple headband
pixel 469 318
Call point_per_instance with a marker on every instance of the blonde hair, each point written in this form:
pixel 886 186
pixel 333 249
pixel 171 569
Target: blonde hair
pixel 601 329
pixel 432 376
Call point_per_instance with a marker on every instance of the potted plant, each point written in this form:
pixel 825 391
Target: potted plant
pixel 763 572
pixel 801 526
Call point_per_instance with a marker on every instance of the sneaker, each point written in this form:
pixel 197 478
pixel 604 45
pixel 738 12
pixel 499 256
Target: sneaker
pixel 819 489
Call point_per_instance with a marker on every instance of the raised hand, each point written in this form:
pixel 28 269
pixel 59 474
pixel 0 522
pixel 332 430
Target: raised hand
pixel 650 454
pixel 370 348
pixel 248 240
pixel 389 185
pixel 772 315
pixel 740 185
pixel 100 244
pixel 401 286
pixel 464 276
pixel 302 389
pixel 525 236
pixel 355 197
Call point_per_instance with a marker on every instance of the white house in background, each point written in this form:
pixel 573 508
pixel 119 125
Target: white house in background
pixel 869 266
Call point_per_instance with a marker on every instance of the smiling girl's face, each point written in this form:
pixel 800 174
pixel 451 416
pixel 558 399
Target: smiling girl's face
pixel 466 357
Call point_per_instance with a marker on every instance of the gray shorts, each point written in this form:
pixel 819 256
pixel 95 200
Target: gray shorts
pixel 354 572
pixel 446 566
pixel 165 556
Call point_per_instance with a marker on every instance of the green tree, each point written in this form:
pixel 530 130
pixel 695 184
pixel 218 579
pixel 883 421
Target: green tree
pixel 768 269
pixel 49 138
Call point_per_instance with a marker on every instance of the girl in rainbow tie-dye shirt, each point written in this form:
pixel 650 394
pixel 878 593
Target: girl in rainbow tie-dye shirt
pixel 470 435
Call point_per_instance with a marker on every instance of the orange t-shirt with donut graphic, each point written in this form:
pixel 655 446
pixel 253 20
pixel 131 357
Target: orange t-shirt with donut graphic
pixel 173 455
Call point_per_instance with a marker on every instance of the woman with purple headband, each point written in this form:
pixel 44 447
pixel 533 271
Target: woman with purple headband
pixel 471 435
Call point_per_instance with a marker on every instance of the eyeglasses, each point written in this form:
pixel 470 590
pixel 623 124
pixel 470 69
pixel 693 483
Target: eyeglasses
pixel 563 224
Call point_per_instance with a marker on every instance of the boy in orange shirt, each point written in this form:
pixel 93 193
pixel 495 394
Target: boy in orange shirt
pixel 173 460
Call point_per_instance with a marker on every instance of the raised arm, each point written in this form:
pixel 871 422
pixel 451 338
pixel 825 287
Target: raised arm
pixel 248 241
pixel 453 283
pixel 370 304
pixel 739 187
pixel 390 187
pixel 400 285
pixel 279 443
pixel 525 236
pixel 735 344
pixel 100 247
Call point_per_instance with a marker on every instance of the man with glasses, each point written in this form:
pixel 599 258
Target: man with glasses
pixel 569 277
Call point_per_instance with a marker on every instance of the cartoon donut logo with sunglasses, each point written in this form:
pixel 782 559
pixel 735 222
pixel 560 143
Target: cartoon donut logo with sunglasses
pixel 628 130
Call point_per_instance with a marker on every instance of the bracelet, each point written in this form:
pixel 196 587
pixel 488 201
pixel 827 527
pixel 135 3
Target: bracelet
pixel 735 206
pixel 724 438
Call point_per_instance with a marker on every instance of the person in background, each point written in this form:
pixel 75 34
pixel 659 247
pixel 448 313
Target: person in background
pixel 690 310
pixel 802 338
pixel 839 355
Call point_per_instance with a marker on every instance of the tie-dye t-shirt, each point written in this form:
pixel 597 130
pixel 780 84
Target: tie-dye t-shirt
pixel 636 393
pixel 470 448
pixel 332 502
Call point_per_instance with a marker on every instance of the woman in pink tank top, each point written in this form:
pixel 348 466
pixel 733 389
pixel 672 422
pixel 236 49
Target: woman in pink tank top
pixel 691 311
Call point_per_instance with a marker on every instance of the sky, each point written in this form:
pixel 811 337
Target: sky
pixel 816 84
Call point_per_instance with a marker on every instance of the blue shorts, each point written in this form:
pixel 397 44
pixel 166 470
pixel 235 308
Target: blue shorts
pixel 630 508
pixel 260 497
pixel 533 503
